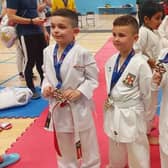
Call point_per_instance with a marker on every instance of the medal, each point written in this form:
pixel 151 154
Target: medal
pixel 160 68
pixel 160 65
pixel 108 103
pixel 61 100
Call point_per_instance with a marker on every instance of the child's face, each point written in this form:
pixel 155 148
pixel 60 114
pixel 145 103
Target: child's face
pixel 62 30
pixel 153 22
pixel 123 38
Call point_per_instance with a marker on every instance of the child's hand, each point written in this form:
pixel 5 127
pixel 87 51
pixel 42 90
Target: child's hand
pixel 160 68
pixel 107 104
pixel 105 107
pixel 157 77
pixel 151 63
pixel 71 94
pixel 48 91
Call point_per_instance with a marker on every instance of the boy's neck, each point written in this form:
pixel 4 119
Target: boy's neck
pixel 125 54
pixel 62 46
pixel 148 27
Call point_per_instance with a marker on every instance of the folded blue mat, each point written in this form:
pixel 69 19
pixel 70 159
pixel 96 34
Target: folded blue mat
pixel 33 109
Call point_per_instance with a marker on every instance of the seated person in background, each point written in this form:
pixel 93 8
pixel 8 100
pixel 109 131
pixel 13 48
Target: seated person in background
pixel 58 4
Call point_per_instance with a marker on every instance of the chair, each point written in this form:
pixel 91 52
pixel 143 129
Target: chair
pixel 90 18
pixel 80 19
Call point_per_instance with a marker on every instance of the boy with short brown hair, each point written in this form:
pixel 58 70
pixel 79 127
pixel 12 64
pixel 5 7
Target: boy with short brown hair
pixel 70 79
pixel 128 78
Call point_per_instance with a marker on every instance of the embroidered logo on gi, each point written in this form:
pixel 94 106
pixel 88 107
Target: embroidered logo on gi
pixel 129 80
pixel 109 69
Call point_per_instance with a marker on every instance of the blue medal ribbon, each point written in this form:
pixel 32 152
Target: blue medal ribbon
pixel 57 64
pixel 117 74
pixel 165 59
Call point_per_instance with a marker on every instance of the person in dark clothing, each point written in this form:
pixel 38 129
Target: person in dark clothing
pixel 31 35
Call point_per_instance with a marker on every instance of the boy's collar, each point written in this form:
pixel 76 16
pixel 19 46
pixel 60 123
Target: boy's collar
pixel 147 27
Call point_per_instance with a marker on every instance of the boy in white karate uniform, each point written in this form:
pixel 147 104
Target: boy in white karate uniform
pixel 70 79
pixel 128 78
pixel 150 42
pixel 160 79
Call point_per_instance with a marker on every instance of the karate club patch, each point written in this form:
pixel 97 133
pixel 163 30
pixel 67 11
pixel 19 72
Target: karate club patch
pixel 129 80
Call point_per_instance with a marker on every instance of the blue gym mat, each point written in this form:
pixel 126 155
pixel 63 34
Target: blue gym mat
pixel 33 109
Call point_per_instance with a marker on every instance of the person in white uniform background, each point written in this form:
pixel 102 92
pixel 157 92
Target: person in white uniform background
pixel 128 78
pixel 150 42
pixel 70 77
pixel 163 28
pixel 160 80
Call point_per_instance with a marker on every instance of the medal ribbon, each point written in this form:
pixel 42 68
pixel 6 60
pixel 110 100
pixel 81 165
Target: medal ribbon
pixel 117 74
pixel 57 64
pixel 165 59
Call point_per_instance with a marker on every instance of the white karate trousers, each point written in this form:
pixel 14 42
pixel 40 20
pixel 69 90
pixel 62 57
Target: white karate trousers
pixel 90 151
pixel 164 159
pixel 135 154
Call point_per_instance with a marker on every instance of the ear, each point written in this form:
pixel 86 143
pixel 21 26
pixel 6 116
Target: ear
pixel 146 19
pixel 136 37
pixel 76 30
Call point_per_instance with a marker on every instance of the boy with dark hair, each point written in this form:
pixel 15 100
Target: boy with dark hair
pixel 150 43
pixel 128 79
pixel 147 44
pixel 70 78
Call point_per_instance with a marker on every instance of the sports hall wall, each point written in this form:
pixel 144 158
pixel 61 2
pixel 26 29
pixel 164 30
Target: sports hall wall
pixel 92 5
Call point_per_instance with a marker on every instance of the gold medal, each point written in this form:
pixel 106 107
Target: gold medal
pixel 61 100
pixel 160 68
pixel 108 103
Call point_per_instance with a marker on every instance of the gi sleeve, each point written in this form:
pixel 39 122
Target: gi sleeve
pixel 145 89
pixel 141 43
pixel 44 67
pixel 91 76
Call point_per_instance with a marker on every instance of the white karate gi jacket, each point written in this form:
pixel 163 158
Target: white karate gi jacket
pixel 163 119
pixel 131 97
pixel 84 78
pixel 150 43
pixel 163 28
